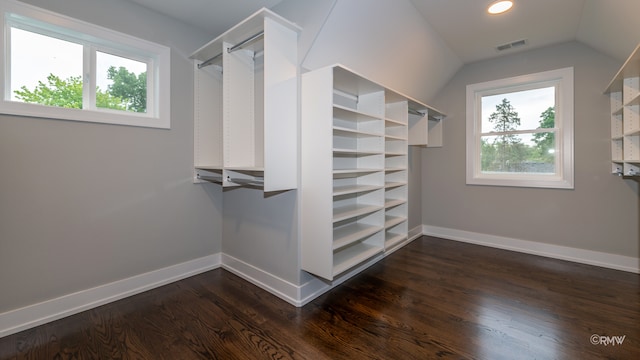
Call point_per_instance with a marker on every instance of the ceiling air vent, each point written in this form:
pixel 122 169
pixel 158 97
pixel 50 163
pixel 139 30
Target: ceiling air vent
pixel 511 45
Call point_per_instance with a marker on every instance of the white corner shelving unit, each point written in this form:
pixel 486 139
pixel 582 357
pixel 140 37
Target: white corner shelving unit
pixel 624 92
pixel 246 96
pixel 354 170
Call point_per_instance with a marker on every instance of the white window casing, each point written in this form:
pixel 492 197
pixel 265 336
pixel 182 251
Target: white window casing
pixel 563 177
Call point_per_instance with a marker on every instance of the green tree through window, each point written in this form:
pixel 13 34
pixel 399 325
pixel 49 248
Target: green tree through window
pixel 505 151
pixel 545 142
pixel 128 92
pixel 508 151
pixel 130 88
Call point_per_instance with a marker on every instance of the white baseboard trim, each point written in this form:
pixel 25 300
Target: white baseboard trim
pixel 279 287
pixel 30 316
pixel 296 295
pixel 611 261
pixel 416 232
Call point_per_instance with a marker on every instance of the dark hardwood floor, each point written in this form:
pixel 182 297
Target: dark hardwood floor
pixel 433 299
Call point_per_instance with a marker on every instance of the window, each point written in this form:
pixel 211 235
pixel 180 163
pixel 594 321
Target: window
pixel 520 131
pixel 61 68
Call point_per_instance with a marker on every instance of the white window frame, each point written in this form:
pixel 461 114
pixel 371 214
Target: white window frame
pixel 563 178
pixel 93 38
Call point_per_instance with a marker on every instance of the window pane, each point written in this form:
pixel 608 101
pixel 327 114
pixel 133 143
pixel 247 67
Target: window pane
pixel 121 83
pixel 521 110
pixel 45 70
pixel 522 153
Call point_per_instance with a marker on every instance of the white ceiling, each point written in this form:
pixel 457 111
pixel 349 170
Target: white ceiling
pixel 473 34
pixel 610 26
pixel 212 16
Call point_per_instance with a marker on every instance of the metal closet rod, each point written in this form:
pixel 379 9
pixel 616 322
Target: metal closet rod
pixel 416 112
pixel 420 113
pixel 232 49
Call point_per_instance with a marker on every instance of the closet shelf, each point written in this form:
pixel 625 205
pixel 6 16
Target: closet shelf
pixel 351 211
pixel 249 169
pixel 355 171
pixel 395 153
pixel 393 137
pixel 393 123
pixel 391 221
pixel 349 234
pixel 209 167
pixel 634 101
pixel 391 203
pixel 392 239
pixel 352 152
pixel 391 185
pixel 353 255
pixel 618 111
pixel 344 131
pixel 392 170
pixel 354 189
pixel 353 114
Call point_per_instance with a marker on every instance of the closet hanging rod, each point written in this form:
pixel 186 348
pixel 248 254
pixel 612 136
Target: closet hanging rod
pixel 246 41
pixel 232 49
pixel 250 182
pixel 213 179
pixel 209 61
pixel 416 112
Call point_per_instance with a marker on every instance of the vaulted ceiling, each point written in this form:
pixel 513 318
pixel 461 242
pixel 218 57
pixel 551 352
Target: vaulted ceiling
pixel 610 26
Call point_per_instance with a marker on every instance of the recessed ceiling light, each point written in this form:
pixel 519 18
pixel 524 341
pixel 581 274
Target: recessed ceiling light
pixel 499 7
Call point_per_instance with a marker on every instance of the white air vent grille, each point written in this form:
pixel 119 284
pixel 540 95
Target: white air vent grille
pixel 511 45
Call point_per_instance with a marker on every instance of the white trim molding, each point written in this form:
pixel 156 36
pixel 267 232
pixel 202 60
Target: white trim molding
pixel 30 316
pixel 589 257
pixel 296 295
pixel 279 287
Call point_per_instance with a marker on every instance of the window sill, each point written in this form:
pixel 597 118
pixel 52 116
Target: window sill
pixel 95 116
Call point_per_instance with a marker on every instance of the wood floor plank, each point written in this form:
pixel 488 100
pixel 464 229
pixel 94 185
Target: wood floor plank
pixel 433 299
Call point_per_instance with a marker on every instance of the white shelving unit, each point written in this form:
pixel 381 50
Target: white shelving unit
pixel 246 96
pixel 354 170
pixel 624 92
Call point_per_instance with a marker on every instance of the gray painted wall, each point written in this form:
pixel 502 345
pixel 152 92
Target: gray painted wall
pixel 601 214
pixel 261 230
pixel 85 204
